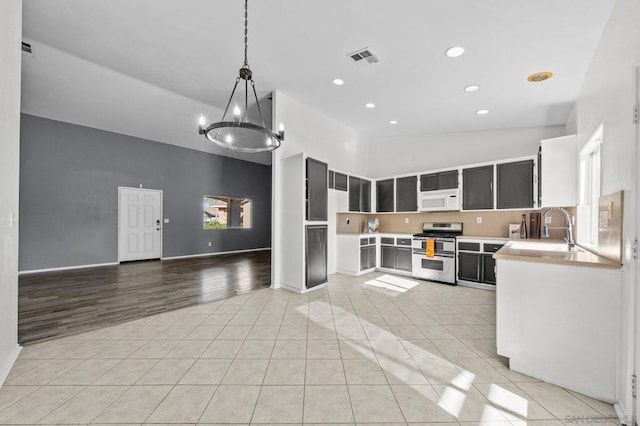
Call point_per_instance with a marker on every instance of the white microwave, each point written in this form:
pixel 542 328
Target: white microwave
pixel 443 200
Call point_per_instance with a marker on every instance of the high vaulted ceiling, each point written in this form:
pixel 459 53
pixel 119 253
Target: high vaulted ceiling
pixel 194 48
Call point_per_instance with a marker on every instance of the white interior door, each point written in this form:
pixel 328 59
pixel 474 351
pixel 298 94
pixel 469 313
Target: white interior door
pixel 140 224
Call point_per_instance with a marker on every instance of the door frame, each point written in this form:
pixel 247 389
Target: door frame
pixel 161 192
pixel 635 269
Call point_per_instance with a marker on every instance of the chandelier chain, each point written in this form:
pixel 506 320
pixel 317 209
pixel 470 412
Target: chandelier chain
pixel 246 31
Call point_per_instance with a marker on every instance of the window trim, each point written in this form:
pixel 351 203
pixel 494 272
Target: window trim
pixel 590 189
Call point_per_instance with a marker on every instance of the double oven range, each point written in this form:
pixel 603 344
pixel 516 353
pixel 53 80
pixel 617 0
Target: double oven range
pixel 442 265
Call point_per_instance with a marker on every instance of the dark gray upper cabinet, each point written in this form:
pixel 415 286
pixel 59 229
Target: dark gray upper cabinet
pixel 477 188
pixel 340 181
pixel 429 182
pixel 365 195
pixel 332 179
pixel 515 185
pixel 317 191
pixel 316 255
pixel 354 194
pixel 359 194
pixel 407 194
pixel 448 180
pixel 441 180
pixel 384 195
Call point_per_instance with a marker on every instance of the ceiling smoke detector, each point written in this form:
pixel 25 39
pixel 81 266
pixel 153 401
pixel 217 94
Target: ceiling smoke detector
pixel 363 57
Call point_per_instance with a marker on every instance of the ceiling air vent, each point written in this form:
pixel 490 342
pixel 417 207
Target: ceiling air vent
pixel 363 57
pixel 26 49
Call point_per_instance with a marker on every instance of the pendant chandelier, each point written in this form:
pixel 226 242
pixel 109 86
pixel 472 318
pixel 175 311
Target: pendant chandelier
pixel 239 133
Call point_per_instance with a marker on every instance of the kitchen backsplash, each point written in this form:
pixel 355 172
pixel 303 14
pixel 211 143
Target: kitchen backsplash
pixel 494 223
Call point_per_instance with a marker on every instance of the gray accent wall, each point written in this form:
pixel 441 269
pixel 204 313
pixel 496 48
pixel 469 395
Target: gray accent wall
pixel 69 179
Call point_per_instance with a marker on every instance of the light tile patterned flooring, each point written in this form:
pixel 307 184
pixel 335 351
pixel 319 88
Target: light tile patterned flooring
pixel 373 349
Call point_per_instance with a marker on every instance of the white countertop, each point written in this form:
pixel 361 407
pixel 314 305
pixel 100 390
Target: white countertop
pixel 552 251
pixel 471 237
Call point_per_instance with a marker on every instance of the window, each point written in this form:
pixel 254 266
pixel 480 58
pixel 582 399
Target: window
pixel 590 173
pixel 226 212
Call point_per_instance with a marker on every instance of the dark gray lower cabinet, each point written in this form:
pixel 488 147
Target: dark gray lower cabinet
pixel 403 259
pixel 316 255
pixel 388 257
pixel 488 269
pixel 367 257
pixel 392 257
pixel 477 267
pixel 469 266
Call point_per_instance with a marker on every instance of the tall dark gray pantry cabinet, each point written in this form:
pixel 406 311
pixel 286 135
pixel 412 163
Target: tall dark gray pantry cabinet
pixel 304 200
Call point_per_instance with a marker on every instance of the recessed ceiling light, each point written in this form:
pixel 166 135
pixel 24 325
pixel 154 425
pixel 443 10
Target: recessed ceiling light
pixel 393 122
pixel 472 88
pixel 482 112
pixel 338 81
pixel 370 105
pixel 455 51
pixel 540 76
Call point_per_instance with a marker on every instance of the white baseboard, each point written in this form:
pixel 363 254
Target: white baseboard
pixel 97 265
pixel 8 365
pixel 301 291
pixel 66 268
pixel 622 415
pixel 218 253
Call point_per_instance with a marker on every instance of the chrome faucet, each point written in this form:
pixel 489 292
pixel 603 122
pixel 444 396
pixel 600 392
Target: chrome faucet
pixel 569 226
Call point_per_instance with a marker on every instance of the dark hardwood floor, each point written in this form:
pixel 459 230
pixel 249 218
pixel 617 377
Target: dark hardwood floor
pixel 53 304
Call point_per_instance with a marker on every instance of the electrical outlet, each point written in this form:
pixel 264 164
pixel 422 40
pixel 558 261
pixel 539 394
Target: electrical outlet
pixel 406 220
pixel 479 219
pixel 547 220
pixel 209 243
pixel 166 220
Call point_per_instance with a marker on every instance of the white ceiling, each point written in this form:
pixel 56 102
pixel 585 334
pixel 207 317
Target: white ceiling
pixel 194 48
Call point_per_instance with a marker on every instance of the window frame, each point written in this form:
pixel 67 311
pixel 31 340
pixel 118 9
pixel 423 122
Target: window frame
pixel 590 189
pixel 228 200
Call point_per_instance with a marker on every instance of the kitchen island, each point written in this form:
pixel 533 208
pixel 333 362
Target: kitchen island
pixel 558 315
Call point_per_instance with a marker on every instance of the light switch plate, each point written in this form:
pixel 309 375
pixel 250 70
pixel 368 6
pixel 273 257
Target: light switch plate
pixel 479 219
pixel 166 220
pixel 547 220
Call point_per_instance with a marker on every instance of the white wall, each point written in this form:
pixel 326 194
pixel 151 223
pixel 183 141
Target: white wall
pixel 10 62
pixel 324 139
pixel 606 97
pixel 416 153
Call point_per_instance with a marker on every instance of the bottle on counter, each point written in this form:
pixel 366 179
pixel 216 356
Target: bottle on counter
pixel 523 227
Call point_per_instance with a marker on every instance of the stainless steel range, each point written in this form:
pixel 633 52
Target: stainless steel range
pixel 441 266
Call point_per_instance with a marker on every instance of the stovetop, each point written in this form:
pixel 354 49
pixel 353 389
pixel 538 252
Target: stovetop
pixel 437 235
pixel 440 230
